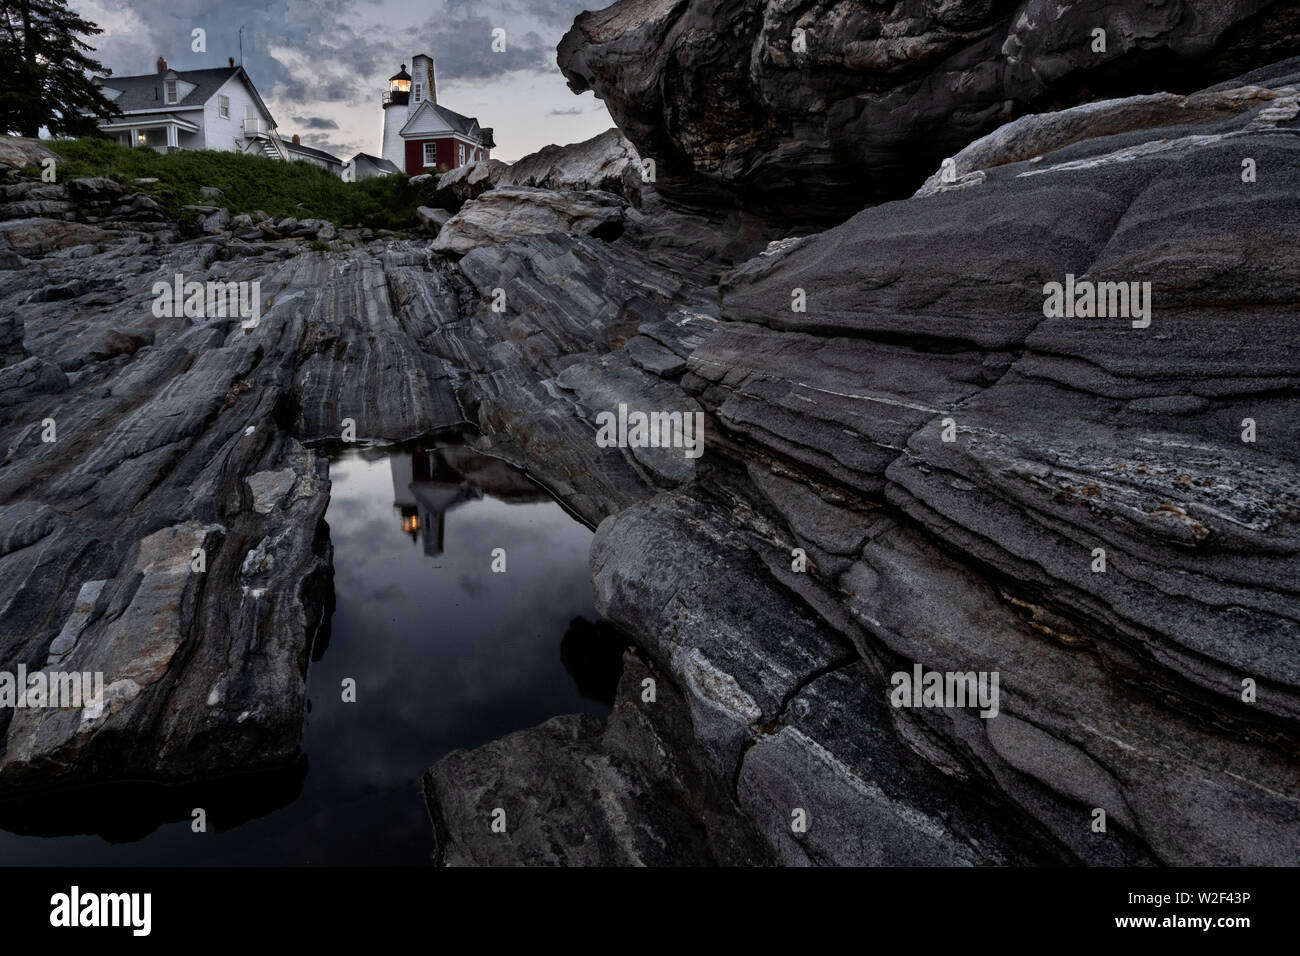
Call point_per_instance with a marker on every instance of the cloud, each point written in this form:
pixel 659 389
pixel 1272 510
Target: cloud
pixel 315 122
pixel 574 111
pixel 341 150
pixel 463 48
pixel 341 43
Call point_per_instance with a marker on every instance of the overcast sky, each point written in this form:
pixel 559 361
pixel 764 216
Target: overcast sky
pixel 321 65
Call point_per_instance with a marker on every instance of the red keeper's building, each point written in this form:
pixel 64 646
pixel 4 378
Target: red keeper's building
pixel 421 136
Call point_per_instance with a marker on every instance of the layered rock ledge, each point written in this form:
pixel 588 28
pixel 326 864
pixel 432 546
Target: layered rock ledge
pixel 949 459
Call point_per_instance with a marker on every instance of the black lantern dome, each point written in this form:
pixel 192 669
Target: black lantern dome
pixel 399 88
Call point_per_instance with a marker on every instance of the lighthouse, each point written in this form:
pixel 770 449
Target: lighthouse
pixel 422 136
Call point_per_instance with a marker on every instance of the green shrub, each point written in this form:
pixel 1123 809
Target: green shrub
pixel 248 183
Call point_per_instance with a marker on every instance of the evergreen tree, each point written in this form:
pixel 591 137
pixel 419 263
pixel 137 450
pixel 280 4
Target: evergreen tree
pixel 45 70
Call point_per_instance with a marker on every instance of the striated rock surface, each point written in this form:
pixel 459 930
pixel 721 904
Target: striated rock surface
pixel 805 111
pixel 135 438
pixel 947 459
pixel 142 539
pixel 607 162
pixel 509 212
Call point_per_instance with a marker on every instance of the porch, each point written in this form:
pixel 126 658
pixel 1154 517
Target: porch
pixel 162 133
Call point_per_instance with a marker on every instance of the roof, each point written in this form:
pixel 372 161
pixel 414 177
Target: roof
pixel 159 119
pixel 314 153
pixel 383 164
pixel 464 125
pixel 401 75
pixel 145 92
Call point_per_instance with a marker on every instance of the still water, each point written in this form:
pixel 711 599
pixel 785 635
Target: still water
pixel 445 654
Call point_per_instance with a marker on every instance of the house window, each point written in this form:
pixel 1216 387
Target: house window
pixel 417 92
pixel 460 154
pixel 223 106
pixel 431 154
pixel 171 91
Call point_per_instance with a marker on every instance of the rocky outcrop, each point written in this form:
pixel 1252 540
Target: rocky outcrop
pixel 607 163
pixel 909 463
pixel 458 186
pixel 136 437
pixel 432 219
pixel 657 805
pixel 509 212
pixel 917 469
pixel 161 522
pixel 805 111
pixel 160 527
pixel 17 152
pixel 975 550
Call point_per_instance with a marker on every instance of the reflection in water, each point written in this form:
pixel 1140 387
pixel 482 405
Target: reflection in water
pixel 130 811
pixel 429 482
pixel 445 655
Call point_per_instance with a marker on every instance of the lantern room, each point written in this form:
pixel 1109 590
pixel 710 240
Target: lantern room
pixel 399 88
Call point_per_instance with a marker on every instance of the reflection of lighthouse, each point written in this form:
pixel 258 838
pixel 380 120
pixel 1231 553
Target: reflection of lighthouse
pixel 425 488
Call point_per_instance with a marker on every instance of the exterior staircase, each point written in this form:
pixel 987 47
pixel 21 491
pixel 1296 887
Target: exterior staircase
pixel 262 137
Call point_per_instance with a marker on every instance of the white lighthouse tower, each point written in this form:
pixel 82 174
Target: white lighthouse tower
pixel 406 91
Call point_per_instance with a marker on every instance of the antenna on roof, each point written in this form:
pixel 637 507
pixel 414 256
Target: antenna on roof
pixel 241 46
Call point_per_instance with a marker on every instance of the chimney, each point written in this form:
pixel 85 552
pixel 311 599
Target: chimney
pixel 162 66
pixel 230 60
pixel 296 140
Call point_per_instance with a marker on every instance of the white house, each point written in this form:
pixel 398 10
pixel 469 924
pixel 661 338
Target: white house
pixel 363 166
pixel 317 157
pixel 193 109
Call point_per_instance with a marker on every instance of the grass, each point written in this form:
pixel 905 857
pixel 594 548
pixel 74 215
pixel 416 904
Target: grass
pixel 248 183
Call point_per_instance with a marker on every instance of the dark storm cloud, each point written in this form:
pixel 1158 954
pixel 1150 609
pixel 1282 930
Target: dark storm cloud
pixel 462 48
pixel 315 122
pixel 343 41
pixel 320 32
pixel 341 150
pixel 553 13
